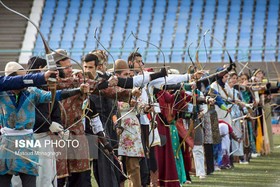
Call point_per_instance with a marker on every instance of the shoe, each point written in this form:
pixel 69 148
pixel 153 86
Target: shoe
pixel 188 182
pixel 243 162
pixel 255 155
pixel 229 166
pixel 202 177
pixel 226 167
pixel 217 168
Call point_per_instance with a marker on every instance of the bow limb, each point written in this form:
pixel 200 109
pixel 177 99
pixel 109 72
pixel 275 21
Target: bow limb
pixel 198 64
pixel 47 48
pixel 49 57
pixel 46 120
pixel 232 64
pixel 121 166
pixel 21 156
pixel 189 54
pixel 114 68
pixel 153 115
pixel 121 170
pixel 159 50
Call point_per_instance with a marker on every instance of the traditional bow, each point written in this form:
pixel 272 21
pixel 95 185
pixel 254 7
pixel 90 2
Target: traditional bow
pixel 49 57
pixel 153 126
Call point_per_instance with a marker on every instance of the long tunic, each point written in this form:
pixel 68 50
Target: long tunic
pixel 76 160
pixel 247 97
pixel 168 175
pixel 130 143
pixel 106 106
pixel 236 126
pixel 72 113
pixel 20 115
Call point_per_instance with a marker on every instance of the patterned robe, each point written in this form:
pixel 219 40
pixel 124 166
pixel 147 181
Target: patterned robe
pixel 72 113
pixel 130 143
pixel 19 114
pixel 73 160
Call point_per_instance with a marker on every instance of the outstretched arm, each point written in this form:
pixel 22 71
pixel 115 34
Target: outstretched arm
pixel 19 82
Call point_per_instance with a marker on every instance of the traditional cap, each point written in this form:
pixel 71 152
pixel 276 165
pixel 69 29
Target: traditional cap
pixel 121 65
pixel 149 69
pixel 12 67
pixel 255 72
pixel 173 71
pixel 101 54
pixel 220 69
pixel 220 75
pixel 75 71
pixel 232 73
pixel 60 54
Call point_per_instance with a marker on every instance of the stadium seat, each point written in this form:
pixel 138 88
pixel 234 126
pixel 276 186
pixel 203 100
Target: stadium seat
pixel 71 24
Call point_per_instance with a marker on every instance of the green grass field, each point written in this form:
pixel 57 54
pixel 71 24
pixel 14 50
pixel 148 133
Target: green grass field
pixel 263 171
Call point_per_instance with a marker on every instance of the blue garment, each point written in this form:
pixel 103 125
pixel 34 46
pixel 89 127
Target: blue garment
pixel 19 82
pixel 217 154
pixel 20 115
pixel 219 99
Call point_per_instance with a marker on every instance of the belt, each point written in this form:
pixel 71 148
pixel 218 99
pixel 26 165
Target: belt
pixel 13 132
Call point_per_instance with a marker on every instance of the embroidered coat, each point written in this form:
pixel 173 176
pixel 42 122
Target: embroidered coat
pixel 19 114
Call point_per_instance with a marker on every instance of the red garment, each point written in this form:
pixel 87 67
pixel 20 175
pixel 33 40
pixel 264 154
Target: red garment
pixel 73 108
pixel 184 100
pixel 187 158
pixel 167 173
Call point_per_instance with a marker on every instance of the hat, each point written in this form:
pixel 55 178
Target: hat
pixel 75 71
pixel 173 71
pixel 220 69
pixel 221 74
pixel 101 54
pixel 60 54
pixel 12 67
pixel 121 65
pixel 255 72
pixel 149 69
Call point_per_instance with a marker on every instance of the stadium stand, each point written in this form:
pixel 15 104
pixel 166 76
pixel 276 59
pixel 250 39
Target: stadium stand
pixel 247 28
pixel 12 30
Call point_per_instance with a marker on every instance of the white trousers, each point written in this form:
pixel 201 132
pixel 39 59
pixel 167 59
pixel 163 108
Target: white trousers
pixel 198 155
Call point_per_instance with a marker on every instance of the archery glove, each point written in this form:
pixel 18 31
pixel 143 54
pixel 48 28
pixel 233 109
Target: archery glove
pixel 161 73
pixel 125 82
pixel 55 127
pixel 119 129
pixel 108 147
pixel 103 85
pixel 69 93
pixel 171 87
